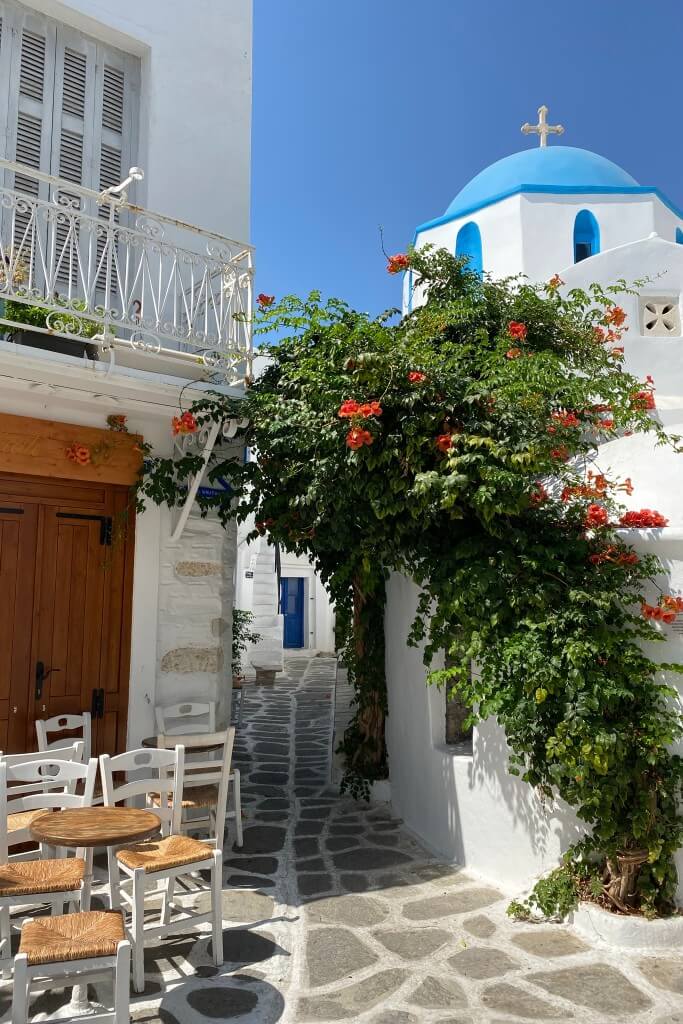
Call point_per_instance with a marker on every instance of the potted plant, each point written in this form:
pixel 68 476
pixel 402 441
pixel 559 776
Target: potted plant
pixel 37 316
pixel 242 635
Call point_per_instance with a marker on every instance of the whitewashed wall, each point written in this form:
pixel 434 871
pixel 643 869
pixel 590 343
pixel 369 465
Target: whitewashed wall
pixel 195 113
pixel 533 234
pixel 466 808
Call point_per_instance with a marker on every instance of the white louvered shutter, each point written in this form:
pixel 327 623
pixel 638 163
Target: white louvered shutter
pixel 70 109
pixel 73 127
pixel 115 110
pixel 29 117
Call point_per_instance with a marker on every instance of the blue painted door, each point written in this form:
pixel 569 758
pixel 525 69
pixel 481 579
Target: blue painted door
pixel 292 606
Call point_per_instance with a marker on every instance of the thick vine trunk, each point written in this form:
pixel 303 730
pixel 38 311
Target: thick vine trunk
pixel 622 878
pixel 369 671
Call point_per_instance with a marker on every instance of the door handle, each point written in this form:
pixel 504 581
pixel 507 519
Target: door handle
pixel 41 675
pixel 97 704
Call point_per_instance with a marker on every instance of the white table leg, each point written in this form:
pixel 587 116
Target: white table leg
pixel 79 994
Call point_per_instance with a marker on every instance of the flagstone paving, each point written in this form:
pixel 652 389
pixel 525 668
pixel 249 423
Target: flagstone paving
pixel 332 912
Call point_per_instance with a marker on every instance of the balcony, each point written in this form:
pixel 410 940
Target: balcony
pixel 92 274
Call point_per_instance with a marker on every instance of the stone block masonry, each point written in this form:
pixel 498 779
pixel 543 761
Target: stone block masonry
pixel 194 642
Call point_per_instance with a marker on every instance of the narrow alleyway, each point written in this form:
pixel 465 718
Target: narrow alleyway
pixel 333 913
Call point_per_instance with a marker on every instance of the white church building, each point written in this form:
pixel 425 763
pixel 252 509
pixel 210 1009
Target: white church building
pixel 543 211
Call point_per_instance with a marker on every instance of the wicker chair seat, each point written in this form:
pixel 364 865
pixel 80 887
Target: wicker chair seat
pixel 160 854
pixel 33 877
pixel 193 797
pixel 50 940
pixel 22 819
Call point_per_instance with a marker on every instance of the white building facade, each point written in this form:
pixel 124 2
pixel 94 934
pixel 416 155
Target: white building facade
pixel 137 293
pixel 545 211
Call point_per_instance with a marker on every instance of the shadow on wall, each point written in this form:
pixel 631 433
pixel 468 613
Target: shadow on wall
pixel 541 817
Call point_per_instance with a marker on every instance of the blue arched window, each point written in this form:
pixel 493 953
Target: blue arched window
pixel 586 236
pixel 679 236
pixel 468 243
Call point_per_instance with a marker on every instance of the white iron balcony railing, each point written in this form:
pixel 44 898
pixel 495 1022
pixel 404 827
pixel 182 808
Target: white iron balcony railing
pixel 102 269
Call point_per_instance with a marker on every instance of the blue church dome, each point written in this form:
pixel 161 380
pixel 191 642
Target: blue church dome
pixel 561 169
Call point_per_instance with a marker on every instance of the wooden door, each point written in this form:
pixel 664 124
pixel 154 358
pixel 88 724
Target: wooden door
pixel 18 535
pixel 79 611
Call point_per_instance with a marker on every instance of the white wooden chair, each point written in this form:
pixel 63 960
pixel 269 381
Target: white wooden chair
pixel 65 723
pixel 74 948
pixel 207 783
pixel 25 883
pixel 159 860
pixel 186 717
pixel 19 821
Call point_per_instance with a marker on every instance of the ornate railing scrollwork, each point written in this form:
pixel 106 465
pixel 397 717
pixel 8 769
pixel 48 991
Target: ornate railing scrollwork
pixel 96 259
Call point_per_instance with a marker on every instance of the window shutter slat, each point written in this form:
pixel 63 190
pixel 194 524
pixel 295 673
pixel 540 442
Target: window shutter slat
pixel 112 98
pixel 75 69
pixel 32 75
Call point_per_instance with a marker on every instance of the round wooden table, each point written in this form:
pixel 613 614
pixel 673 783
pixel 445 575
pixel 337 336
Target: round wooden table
pixel 94 826
pixel 89 827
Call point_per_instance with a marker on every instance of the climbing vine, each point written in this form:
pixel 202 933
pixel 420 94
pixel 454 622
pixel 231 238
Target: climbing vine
pixel 460 446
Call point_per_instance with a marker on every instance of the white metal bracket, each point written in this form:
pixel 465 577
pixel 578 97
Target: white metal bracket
pixel 228 429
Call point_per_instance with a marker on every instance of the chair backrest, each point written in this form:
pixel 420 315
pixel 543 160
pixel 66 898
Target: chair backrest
pixel 45 784
pixel 153 773
pixel 186 717
pixel 72 752
pixel 65 723
pixel 208 767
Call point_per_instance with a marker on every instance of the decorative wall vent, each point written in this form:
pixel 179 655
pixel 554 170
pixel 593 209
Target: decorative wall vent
pixel 660 316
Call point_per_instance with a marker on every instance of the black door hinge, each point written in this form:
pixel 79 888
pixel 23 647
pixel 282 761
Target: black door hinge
pixel 106 524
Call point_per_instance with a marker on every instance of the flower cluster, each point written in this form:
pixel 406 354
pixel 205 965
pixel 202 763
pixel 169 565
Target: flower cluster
pixel 357 411
pixel 351 409
pixel 185 424
pixel 517 330
pixel 644 519
pixel 596 515
pixel 513 353
pixel 666 610
pixel 643 400
pixel 398 263
pixel 117 423
pixel 618 556
pixel 416 377
pixel 357 437
pixel 538 495
pixel 79 453
pixel 554 283
pixel 444 442
pixel 561 453
pixel 615 315
pixel 562 418
pixel 264 300
pixel 595 487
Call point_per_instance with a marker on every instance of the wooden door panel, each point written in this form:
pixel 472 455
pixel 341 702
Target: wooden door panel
pixel 18 535
pixel 71 630
pixel 65 600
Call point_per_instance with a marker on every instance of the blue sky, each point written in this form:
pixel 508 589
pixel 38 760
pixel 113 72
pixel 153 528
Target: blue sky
pixel 371 112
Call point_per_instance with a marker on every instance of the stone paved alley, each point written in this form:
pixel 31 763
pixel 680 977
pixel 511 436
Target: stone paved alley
pixel 332 912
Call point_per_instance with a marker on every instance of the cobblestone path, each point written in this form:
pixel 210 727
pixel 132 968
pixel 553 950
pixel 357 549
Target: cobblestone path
pixel 333 913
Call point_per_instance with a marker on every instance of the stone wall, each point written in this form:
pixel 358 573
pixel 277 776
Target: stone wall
pixel 195 616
